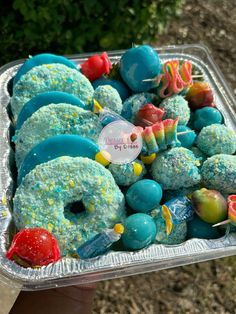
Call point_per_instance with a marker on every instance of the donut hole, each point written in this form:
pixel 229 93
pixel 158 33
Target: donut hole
pixel 75 207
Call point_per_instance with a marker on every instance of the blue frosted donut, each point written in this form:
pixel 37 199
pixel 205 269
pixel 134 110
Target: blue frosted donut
pixel 44 99
pixel 53 194
pixel 50 77
pixel 108 97
pixel 219 173
pixel 126 174
pixel 176 107
pixel 176 168
pixel 217 139
pixel 132 104
pixel 53 120
pixel 43 58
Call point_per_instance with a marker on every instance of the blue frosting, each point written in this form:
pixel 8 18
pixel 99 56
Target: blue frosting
pixel 187 140
pixel 206 116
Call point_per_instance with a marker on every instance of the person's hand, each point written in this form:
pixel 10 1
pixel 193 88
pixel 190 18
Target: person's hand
pixel 74 299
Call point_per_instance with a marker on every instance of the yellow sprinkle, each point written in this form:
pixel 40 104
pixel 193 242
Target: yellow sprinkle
pixel 96 106
pixel 49 66
pixel 90 207
pixel 75 115
pixel 102 157
pixel 147 160
pixel 71 183
pixel 137 169
pixel 34 78
pixel 33 215
pixel 119 228
pixel 4 200
pixel 50 201
pixel 4 213
pixel 79 238
pixel 50 227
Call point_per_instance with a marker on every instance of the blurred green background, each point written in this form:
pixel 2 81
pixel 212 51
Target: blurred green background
pixel 71 26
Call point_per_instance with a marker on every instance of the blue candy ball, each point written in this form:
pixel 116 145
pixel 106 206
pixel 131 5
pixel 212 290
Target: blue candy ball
pixel 206 116
pixel 197 228
pixel 144 195
pixel 187 139
pixel 137 64
pixel 139 231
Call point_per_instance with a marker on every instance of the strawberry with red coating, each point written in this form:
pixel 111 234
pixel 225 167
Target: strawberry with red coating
pixel 96 66
pixel 34 247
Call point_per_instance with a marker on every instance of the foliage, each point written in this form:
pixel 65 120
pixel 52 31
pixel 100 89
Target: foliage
pixel 70 26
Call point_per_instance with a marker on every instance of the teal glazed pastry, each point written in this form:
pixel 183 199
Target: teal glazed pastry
pixel 45 99
pixel 50 77
pixel 126 174
pixel 74 198
pixel 138 64
pixel 108 97
pixel 206 116
pixel 43 58
pixel 121 88
pixel 53 120
pixel 176 168
pixel 187 140
pixel 176 107
pixel 219 173
pixel 217 139
pixel 132 105
pixel 54 147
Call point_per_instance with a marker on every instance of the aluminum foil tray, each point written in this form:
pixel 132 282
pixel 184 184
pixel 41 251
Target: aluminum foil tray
pixel 69 271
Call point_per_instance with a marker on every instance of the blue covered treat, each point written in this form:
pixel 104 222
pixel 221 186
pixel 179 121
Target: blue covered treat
pixel 176 168
pixel 126 174
pixel 53 194
pixel 43 58
pixel 206 116
pixel 176 107
pixel 53 120
pixel 187 140
pixel 121 88
pixel 138 64
pixel 108 97
pixel 197 228
pixel 50 77
pixel 177 235
pixel 217 139
pixel 132 105
pixel 219 173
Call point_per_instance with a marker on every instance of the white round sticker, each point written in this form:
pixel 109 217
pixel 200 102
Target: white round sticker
pixel 120 142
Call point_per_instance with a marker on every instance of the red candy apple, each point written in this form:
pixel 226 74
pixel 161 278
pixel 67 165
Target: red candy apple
pixel 200 95
pixel 34 247
pixel 96 66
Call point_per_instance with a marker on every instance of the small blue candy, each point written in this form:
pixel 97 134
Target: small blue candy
pixel 137 64
pixel 121 88
pixel 139 231
pixel 187 139
pixel 206 116
pixel 144 195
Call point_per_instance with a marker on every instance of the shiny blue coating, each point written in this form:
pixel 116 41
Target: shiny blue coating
pixel 206 116
pixel 139 231
pixel 43 58
pixel 121 88
pixel 144 195
pixel 44 99
pixel 57 146
pixel 137 64
pixel 186 140
pixel 197 228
